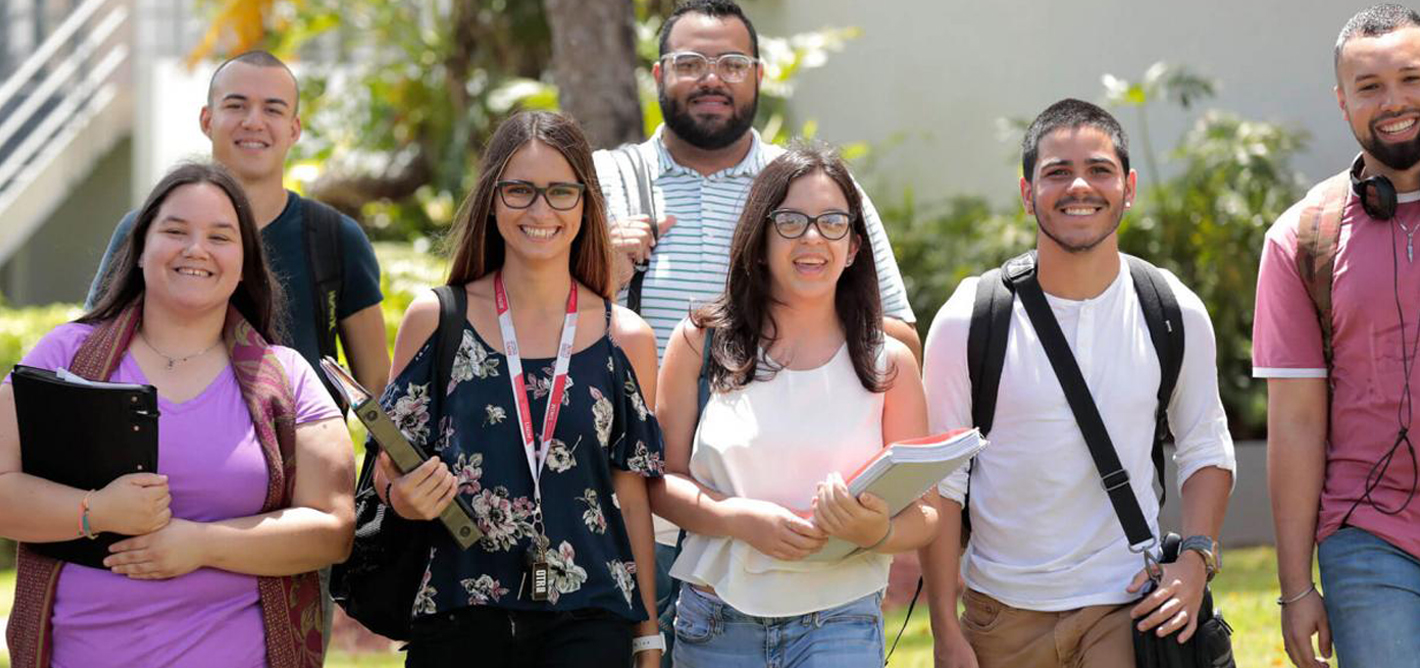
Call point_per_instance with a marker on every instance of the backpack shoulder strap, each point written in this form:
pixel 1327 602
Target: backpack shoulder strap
pixel 702 381
pixel 322 228
pixel 1165 322
pixel 986 340
pixel 453 309
pixel 1318 238
pixel 646 205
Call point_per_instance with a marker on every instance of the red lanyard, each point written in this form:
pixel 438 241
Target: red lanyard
pixel 537 456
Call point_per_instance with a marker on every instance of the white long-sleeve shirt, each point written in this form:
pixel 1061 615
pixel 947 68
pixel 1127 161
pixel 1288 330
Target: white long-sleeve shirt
pixel 1044 535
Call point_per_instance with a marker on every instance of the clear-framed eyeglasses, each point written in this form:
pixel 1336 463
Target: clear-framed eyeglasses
pixel 518 194
pixel 730 67
pixel 791 224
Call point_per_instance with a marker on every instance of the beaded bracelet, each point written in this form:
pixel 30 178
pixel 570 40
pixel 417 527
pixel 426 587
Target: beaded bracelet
pixel 1305 593
pixel 84 529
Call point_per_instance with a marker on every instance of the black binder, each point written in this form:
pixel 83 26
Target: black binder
pixel 83 434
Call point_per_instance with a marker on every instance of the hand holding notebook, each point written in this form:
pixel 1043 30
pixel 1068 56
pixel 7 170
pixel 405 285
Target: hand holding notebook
pixel 899 474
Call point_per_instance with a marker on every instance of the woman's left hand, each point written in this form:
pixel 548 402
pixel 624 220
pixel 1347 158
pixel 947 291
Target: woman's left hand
pixel 650 658
pixel 862 521
pixel 174 550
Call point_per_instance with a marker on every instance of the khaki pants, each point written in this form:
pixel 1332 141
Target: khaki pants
pixel 1096 636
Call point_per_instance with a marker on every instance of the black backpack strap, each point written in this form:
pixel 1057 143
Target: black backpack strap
pixel 453 309
pixel 702 381
pixel 986 345
pixel 323 254
pixel 1165 321
pixel 1077 393
pixel 646 205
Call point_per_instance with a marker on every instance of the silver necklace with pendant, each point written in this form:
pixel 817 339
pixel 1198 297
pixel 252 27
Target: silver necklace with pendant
pixel 1409 240
pixel 174 361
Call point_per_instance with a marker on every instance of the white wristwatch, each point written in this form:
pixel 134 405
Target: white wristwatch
pixel 644 643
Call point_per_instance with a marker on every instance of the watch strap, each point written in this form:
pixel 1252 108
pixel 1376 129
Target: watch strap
pixel 645 643
pixel 1207 548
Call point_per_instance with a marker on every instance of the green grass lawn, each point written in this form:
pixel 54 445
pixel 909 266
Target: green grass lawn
pixel 1246 591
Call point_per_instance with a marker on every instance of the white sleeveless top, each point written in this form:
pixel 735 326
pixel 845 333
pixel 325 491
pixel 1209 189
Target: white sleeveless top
pixel 775 440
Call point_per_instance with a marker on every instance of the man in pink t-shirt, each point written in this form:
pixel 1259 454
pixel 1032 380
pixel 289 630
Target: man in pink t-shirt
pixel 1343 480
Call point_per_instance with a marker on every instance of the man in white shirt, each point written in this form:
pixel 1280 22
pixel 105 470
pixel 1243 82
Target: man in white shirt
pixel 1051 579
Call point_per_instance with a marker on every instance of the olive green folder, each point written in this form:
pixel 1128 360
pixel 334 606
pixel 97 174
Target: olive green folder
pixel 457 517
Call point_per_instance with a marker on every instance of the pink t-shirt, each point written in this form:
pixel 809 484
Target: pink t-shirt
pixel 1367 376
pixel 208 449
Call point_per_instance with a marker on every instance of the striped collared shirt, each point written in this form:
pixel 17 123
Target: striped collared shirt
pixel 689 264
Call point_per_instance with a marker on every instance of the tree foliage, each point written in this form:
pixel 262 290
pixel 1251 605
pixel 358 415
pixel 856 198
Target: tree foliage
pixel 398 98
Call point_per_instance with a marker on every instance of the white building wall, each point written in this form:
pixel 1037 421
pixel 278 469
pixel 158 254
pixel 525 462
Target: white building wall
pixel 929 79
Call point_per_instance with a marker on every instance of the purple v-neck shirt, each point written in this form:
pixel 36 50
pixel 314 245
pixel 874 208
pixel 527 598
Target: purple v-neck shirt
pixel 208 449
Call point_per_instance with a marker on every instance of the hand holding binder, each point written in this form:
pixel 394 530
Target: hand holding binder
pixel 93 436
pixel 457 517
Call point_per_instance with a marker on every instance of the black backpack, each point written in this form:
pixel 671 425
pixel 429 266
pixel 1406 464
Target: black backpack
pixel 991 324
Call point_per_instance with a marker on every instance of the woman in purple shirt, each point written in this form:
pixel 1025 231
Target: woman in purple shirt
pixel 226 537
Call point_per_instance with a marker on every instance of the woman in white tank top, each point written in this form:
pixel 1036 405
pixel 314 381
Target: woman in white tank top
pixel 805 388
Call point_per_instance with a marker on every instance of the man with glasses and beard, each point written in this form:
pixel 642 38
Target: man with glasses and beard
pixel 1338 313
pixel 699 166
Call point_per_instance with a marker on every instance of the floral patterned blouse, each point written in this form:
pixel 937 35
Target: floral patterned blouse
pixel 604 423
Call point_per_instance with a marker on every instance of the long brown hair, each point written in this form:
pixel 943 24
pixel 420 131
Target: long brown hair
pixel 479 249
pixel 258 296
pixel 741 316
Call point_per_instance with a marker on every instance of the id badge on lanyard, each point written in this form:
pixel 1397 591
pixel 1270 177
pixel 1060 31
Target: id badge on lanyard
pixel 535 448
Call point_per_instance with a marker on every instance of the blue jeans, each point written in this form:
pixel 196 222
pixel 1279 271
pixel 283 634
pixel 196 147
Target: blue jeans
pixel 711 634
pixel 1372 599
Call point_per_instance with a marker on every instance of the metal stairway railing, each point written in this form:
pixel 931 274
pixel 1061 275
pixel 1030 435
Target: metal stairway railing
pixel 61 111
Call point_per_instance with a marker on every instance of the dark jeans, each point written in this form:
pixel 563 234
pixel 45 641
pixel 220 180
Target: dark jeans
pixel 493 638
pixel 665 599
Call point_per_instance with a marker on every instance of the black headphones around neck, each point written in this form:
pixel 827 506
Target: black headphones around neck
pixel 1377 193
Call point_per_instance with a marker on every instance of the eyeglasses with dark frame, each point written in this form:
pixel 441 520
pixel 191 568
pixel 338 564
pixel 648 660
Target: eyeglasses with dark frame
pixel 519 194
pixel 730 67
pixel 791 224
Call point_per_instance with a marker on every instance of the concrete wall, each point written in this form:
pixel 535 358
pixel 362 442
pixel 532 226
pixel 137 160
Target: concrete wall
pixel 928 80
pixel 1249 520
pixel 57 263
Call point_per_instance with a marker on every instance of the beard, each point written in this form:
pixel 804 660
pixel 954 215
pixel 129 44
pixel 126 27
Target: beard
pixel 703 134
pixel 1076 247
pixel 1399 156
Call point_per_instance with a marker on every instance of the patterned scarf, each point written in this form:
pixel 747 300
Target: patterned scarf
pixel 290 605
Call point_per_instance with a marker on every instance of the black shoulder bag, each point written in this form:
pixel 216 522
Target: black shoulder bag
pixel 377 584
pixel 1211 644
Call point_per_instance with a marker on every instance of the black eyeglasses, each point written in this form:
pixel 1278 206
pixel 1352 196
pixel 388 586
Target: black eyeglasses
pixel 791 224
pixel 519 194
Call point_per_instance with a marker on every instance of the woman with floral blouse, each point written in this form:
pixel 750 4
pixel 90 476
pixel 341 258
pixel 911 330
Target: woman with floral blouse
pixel 563 574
